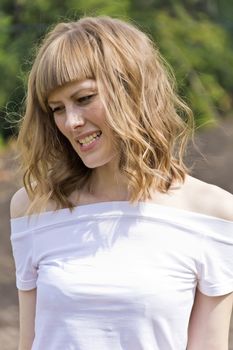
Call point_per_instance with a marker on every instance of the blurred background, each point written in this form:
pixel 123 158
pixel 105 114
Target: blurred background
pixel 195 37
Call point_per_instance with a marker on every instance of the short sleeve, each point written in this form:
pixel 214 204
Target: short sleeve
pixel 216 268
pixel 22 248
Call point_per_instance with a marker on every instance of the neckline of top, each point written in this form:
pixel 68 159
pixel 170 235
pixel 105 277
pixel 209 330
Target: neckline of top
pixel 121 206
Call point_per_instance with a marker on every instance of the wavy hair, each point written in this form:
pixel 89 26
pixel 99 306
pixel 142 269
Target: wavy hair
pixel 151 122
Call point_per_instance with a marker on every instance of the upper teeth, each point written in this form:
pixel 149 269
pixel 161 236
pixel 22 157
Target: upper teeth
pixel 89 138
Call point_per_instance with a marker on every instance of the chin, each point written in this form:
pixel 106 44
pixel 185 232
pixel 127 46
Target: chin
pixel 98 164
pixel 94 165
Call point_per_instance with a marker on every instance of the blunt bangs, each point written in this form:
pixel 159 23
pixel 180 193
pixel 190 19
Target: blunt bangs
pixel 68 58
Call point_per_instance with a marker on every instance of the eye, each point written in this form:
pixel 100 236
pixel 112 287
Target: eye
pixel 86 99
pixel 57 109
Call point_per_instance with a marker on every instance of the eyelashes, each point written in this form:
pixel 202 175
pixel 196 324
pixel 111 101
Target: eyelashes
pixel 85 98
pixel 56 109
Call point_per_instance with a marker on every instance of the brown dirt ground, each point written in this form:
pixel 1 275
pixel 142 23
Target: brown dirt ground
pixel 217 167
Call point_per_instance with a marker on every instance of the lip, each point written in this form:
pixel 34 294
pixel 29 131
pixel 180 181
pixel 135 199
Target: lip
pixel 85 134
pixel 85 148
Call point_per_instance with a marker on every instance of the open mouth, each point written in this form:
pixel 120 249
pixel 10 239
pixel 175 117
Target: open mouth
pixel 89 139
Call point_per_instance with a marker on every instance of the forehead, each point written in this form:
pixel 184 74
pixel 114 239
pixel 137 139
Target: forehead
pixel 71 88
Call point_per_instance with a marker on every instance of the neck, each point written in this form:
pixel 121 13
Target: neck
pixel 107 183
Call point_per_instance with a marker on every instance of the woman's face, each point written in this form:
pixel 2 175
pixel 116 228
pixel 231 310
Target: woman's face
pixel 80 116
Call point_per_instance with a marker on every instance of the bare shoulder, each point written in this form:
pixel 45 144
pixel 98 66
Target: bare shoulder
pixel 210 199
pixel 223 203
pixel 19 203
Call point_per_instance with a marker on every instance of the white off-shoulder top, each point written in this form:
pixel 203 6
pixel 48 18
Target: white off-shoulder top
pixel 117 276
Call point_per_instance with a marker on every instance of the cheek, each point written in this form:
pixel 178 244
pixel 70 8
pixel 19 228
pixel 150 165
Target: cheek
pixel 97 114
pixel 60 125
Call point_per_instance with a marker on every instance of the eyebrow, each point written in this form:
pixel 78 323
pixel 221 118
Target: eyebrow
pixel 75 93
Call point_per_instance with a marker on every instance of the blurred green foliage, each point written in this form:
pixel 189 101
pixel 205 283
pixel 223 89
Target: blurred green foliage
pixel 195 36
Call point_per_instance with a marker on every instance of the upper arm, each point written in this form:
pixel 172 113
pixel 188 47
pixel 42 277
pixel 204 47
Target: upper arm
pixel 209 322
pixel 19 203
pixel 27 307
pixel 27 298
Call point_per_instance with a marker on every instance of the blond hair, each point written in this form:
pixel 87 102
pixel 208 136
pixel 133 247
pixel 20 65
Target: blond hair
pixel 151 123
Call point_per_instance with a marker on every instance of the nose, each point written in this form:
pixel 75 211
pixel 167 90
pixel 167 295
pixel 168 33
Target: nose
pixel 74 119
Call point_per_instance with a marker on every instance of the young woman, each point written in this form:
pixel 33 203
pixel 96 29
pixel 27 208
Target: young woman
pixel 115 245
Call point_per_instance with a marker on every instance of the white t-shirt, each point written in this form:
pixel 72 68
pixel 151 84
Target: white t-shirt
pixel 114 276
